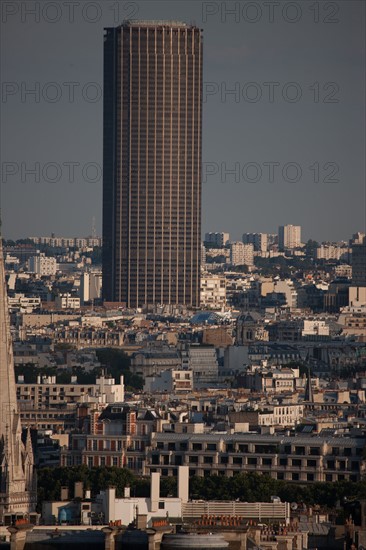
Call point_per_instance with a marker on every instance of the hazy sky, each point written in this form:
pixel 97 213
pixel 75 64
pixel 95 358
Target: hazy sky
pixel 286 146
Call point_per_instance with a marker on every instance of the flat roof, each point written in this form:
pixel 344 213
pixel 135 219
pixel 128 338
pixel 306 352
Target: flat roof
pixel 153 23
pixel 310 440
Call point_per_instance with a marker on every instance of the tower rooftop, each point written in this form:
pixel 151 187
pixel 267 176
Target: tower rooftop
pixel 153 23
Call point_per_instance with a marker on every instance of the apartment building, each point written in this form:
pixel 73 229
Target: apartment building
pixel 65 242
pixel 217 239
pixel 213 291
pixel 119 436
pixel 42 265
pixel 172 380
pixel 270 380
pixel 152 360
pixel 48 394
pixel 67 301
pixel 284 414
pixel 289 236
pixel 202 360
pixel 241 254
pixel 258 240
pixel 23 304
pixel 82 337
pixel 332 252
pixel 300 459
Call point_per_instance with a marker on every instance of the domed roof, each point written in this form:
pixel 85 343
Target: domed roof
pixel 248 317
pixel 206 317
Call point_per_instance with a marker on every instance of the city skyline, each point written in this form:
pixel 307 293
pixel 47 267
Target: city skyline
pixel 320 136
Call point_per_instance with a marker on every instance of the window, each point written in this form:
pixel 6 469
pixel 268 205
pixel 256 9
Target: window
pixel 315 451
pixel 161 505
pixel 300 450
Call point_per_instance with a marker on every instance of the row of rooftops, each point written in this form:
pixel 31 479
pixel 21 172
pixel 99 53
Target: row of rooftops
pixel 315 440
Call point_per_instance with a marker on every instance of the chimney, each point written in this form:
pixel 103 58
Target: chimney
pixel 127 491
pixel 110 504
pixel 183 483
pixel 141 521
pixel 155 491
pixel 78 489
pixel 64 493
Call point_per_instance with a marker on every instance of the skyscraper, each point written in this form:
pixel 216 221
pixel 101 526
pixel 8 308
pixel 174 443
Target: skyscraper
pixel 359 262
pixel 152 163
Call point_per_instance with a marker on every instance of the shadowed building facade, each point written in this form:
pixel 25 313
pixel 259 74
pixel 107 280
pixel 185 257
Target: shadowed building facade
pixel 152 163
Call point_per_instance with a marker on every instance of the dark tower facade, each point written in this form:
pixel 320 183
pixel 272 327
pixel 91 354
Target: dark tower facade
pixel 152 163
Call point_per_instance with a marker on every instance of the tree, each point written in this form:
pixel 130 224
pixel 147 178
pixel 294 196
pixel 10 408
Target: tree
pixel 95 479
pixel 117 363
pixel 310 248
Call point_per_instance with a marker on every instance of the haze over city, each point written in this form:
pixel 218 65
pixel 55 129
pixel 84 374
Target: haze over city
pixel 283 116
